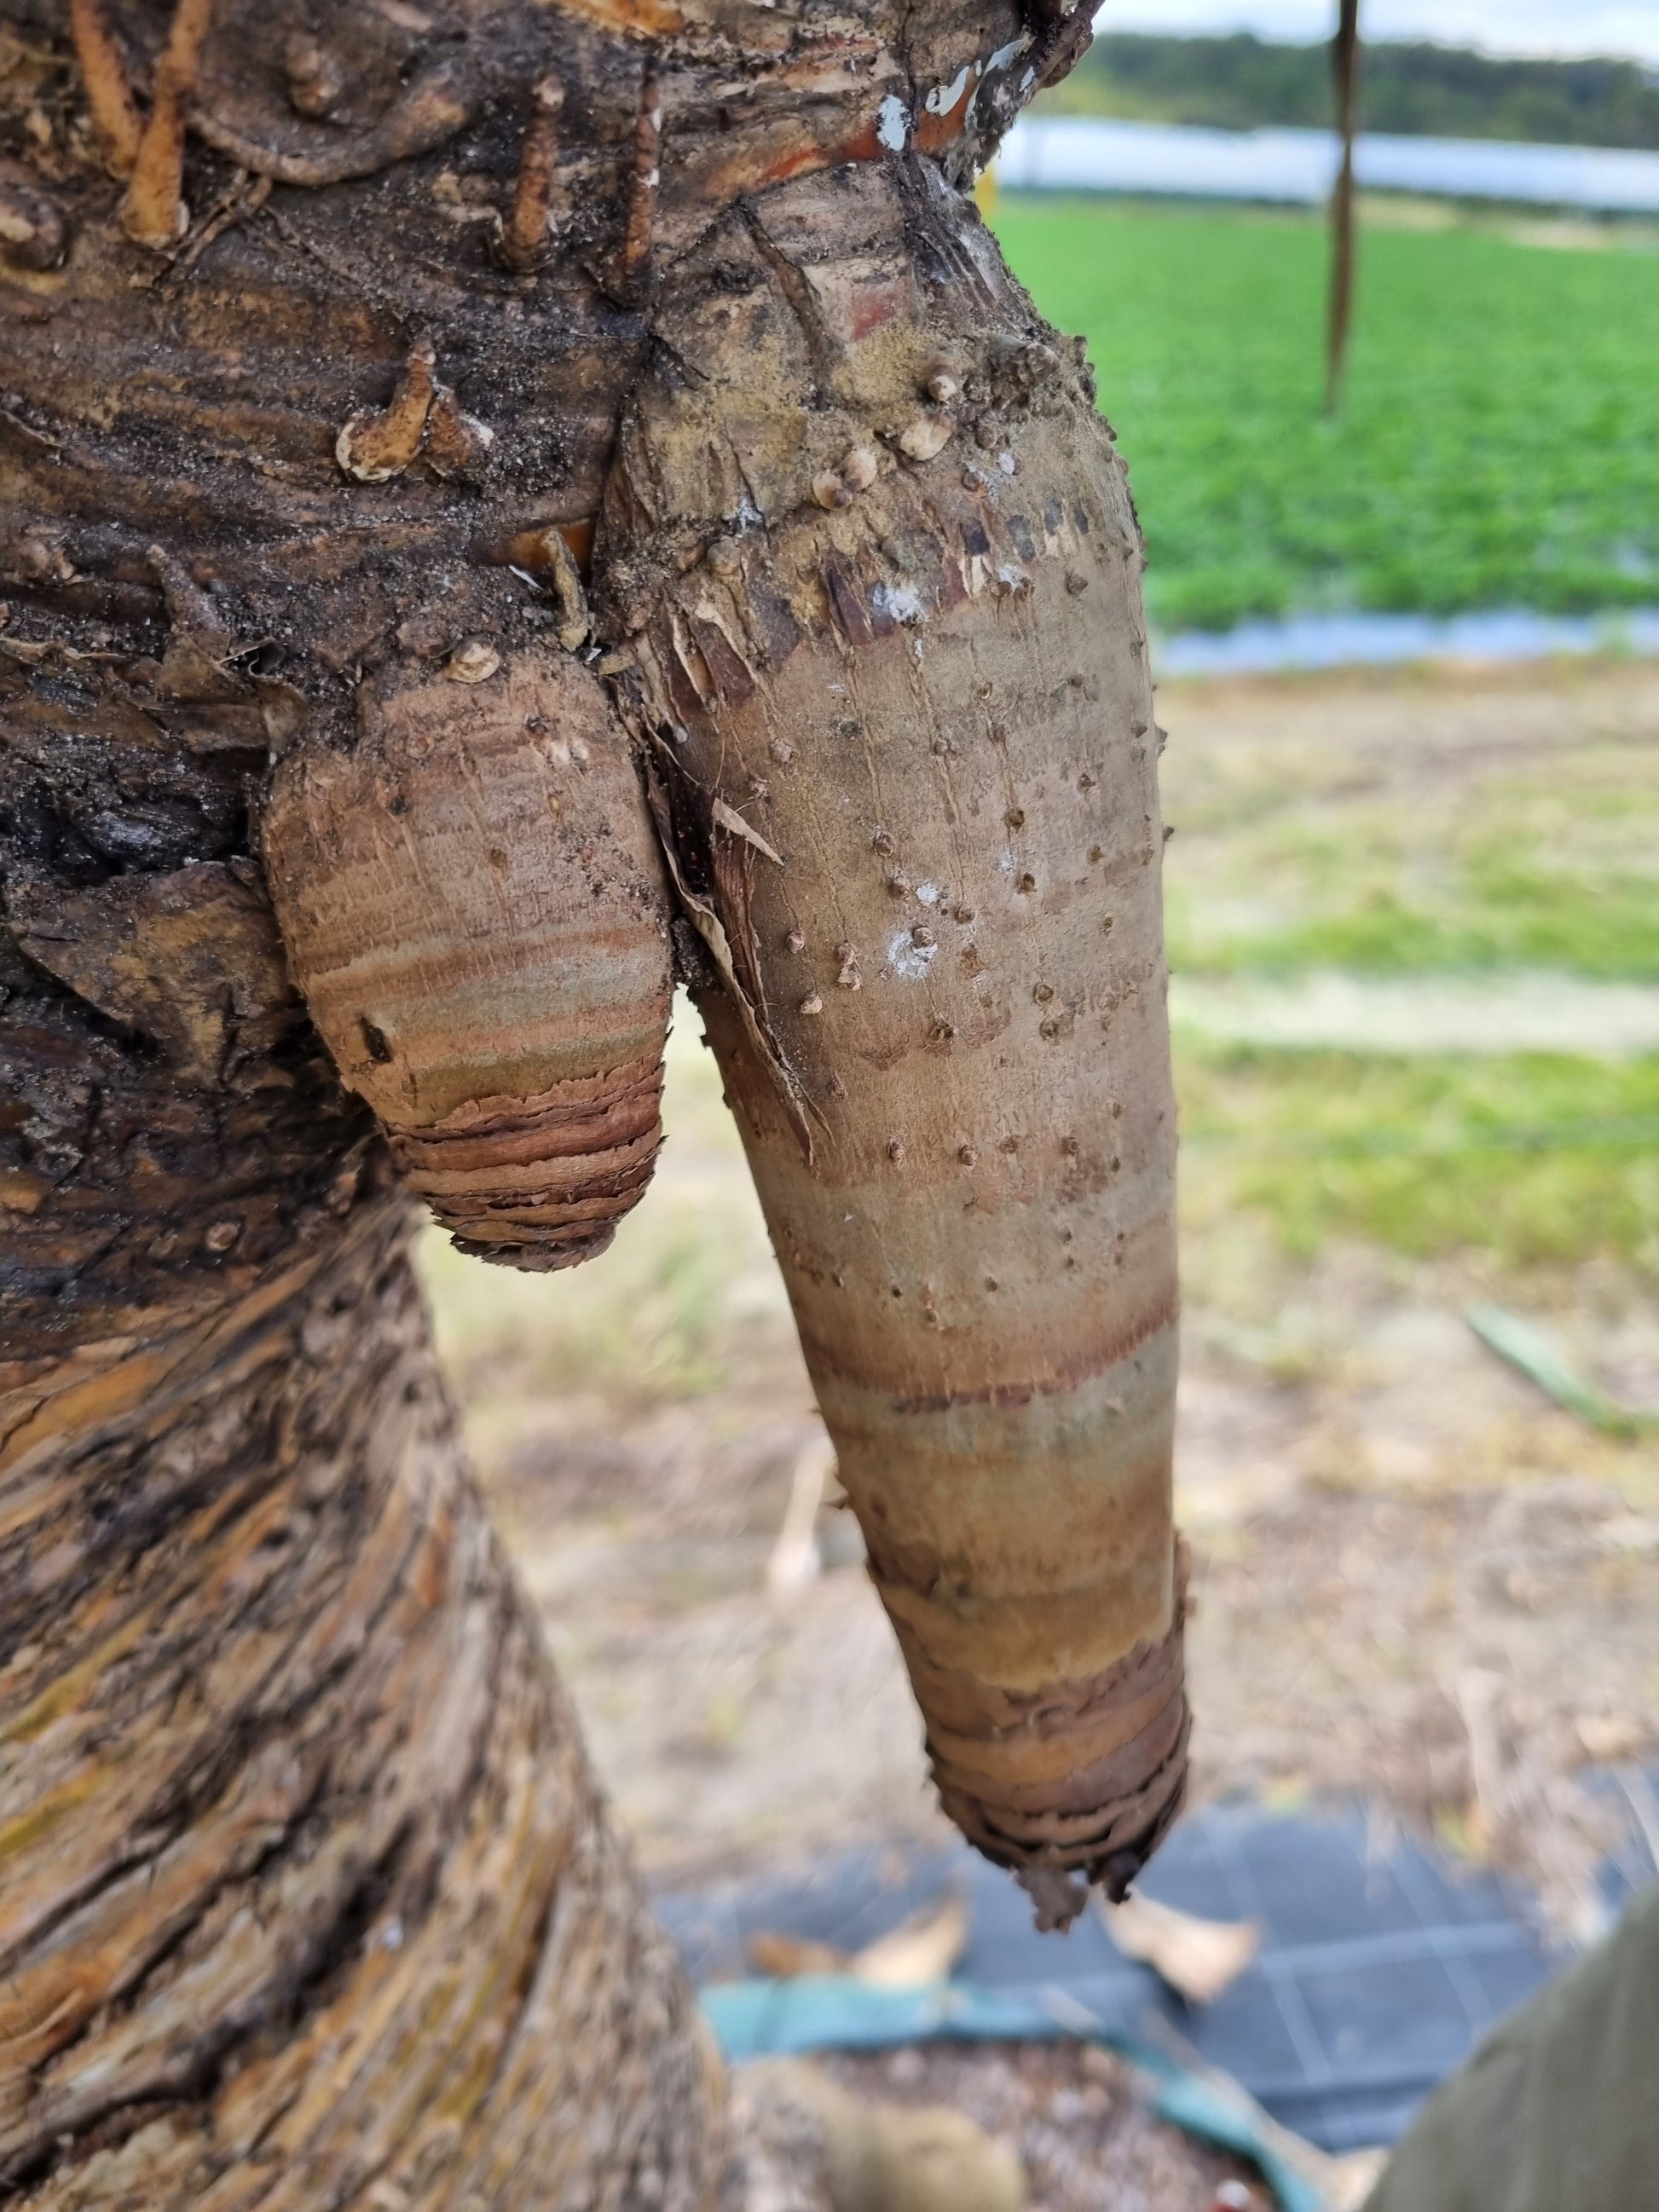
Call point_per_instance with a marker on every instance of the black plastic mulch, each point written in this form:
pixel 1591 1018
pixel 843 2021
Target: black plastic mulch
pixel 1382 1962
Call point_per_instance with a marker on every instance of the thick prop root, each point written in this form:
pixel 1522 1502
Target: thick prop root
pixel 901 720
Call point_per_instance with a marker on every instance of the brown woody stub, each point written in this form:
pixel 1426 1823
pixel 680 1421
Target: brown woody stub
pixel 1087 1778
pixel 474 909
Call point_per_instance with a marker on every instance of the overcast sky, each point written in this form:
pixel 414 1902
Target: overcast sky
pixel 1500 26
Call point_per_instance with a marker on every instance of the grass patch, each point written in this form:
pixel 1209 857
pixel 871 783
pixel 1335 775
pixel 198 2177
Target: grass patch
pixel 652 1318
pixel 1440 896
pixel 1499 445
pixel 683 1302
pixel 1528 919
pixel 1527 1160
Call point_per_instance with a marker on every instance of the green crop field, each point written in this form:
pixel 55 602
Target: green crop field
pixel 1499 445
pixel 1531 1159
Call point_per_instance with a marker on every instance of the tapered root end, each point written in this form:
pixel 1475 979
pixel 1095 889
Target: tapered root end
pixel 907 774
pixel 545 1257
pixel 540 1183
pixel 1076 1785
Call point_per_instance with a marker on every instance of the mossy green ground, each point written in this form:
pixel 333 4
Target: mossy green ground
pixel 1405 828
pixel 1499 441
pixel 1552 863
pixel 1530 1160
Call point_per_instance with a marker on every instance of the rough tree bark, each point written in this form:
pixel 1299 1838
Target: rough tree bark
pixel 505 500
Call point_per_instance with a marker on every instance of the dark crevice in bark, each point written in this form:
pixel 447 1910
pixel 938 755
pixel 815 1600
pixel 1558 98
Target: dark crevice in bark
pixel 793 283
pixel 236 1739
pixel 191 2077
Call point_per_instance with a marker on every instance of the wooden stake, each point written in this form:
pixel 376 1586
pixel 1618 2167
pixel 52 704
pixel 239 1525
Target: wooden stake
pixel 1345 65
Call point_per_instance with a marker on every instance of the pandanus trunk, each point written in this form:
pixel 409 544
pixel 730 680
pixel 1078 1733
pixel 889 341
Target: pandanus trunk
pixel 500 504
pixel 308 1898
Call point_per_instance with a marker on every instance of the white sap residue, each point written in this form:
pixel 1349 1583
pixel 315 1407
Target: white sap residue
pixel 908 958
pixel 893 124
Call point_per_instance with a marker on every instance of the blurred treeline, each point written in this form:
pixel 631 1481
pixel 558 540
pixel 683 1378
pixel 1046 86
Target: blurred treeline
pixel 1243 83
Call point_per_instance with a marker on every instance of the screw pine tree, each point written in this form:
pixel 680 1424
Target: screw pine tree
pixel 506 503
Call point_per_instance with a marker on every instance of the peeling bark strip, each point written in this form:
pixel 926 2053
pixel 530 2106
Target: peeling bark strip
pixel 950 760
pixel 645 178
pixel 306 1896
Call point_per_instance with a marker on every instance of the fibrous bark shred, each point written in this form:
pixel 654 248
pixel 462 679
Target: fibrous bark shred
pixel 115 117
pixel 523 240
pixel 153 214
pixel 644 181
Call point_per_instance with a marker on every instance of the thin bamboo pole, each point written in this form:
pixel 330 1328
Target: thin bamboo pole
pixel 1345 68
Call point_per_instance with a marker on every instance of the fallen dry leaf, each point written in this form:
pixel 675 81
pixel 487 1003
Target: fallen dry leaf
pixel 923 1948
pixel 1352 2179
pixel 1342 2184
pixel 794 1561
pixel 1197 1958
pixel 787 1958
pixel 1612 1736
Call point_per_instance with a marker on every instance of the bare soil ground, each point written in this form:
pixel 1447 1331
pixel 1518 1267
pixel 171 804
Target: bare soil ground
pixel 1418 1580
pixel 861 2132
pixel 1079 2117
